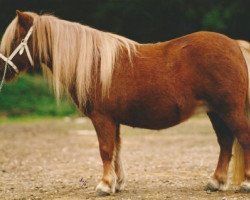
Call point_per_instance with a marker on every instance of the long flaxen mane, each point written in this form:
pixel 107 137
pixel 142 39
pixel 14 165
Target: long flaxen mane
pixel 74 51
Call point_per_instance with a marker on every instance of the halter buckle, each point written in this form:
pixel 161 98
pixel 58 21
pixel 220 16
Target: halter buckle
pixel 21 50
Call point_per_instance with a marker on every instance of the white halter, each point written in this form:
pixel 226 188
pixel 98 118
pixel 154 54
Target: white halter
pixel 19 49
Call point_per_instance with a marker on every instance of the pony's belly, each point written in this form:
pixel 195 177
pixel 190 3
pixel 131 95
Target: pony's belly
pixel 162 117
pixel 151 120
pixel 151 124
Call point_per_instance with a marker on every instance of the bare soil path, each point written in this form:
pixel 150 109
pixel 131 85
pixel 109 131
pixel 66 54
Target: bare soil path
pixel 59 159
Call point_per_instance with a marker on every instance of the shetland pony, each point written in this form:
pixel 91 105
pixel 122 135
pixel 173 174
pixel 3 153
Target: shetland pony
pixel 114 80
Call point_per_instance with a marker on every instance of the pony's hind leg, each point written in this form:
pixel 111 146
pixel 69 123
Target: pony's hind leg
pixel 239 124
pixel 225 139
pixel 106 130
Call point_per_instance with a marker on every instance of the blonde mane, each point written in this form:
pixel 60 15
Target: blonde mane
pixel 75 52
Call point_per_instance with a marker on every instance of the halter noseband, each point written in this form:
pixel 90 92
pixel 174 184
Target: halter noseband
pixel 19 49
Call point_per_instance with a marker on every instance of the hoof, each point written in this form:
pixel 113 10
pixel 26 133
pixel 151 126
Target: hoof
pixel 101 193
pixel 120 185
pixel 245 187
pixel 103 189
pixel 214 185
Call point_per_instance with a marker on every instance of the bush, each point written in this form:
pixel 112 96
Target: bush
pixel 30 95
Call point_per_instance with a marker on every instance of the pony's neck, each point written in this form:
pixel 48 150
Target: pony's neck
pixel 77 54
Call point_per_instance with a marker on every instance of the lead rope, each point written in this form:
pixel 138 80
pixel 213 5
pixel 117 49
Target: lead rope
pixel 4 74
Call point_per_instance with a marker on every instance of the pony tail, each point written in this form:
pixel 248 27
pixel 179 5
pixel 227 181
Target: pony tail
pixel 238 167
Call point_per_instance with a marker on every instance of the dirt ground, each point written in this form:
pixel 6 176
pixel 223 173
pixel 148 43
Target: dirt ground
pixel 59 159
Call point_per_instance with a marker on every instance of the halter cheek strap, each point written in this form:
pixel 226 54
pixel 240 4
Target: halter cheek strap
pixel 20 48
pixel 23 46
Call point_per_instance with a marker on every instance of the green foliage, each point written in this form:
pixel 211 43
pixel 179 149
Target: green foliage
pixel 143 20
pixel 30 95
pixel 217 19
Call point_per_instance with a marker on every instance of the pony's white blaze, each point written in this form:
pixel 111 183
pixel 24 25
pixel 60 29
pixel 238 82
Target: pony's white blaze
pixel 74 52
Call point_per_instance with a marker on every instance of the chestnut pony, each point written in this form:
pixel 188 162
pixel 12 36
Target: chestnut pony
pixel 114 80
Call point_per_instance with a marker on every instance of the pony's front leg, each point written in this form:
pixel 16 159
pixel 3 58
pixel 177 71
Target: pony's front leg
pixel 120 183
pixel 106 130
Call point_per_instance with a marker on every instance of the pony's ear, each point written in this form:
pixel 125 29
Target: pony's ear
pixel 25 20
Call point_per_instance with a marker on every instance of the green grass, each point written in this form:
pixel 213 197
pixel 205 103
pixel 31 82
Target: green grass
pixel 30 97
pixel 28 119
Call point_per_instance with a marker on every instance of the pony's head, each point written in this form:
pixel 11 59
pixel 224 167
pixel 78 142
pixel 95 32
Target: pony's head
pixel 78 56
pixel 16 52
